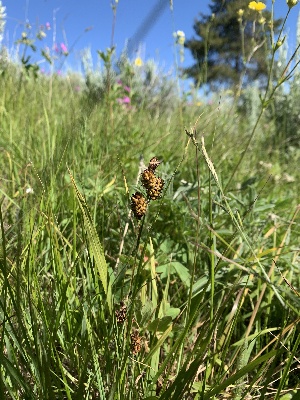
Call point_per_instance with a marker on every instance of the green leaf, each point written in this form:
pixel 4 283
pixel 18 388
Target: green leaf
pixel 94 242
pixel 160 324
pixel 175 267
pixel 182 272
pixel 287 396
pixel 172 312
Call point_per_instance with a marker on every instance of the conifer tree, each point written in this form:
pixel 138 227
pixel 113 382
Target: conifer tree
pixel 232 40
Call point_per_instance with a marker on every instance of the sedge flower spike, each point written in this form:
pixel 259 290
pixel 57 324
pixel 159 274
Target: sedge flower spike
pixel 256 6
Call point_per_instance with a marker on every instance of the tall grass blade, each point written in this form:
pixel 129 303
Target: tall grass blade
pixel 94 242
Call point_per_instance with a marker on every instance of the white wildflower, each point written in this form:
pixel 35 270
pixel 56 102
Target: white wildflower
pixel 288 178
pixel 29 190
pixel 180 34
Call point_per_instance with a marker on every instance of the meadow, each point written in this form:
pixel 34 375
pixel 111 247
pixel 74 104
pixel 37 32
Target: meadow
pixel 181 282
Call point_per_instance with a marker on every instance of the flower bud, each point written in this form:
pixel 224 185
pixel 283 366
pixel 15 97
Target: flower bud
pixel 291 3
pixel 279 43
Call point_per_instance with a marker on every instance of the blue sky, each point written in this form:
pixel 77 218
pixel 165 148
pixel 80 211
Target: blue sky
pixel 73 18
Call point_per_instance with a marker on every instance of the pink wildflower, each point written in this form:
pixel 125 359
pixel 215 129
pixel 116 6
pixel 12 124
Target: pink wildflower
pixel 48 26
pixel 124 100
pixel 127 88
pixel 64 48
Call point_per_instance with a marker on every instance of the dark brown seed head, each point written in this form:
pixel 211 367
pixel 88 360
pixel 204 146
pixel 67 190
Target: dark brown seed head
pixel 121 313
pixel 136 342
pixel 138 205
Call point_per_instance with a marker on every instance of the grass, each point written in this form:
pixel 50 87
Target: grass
pixel 198 299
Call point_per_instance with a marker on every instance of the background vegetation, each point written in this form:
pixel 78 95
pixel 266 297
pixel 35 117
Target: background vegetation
pixel 197 299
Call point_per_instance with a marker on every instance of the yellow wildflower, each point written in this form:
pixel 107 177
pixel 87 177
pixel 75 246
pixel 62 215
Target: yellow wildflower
pixel 138 62
pixel 256 6
pixel 240 12
pixel 180 37
pixel 181 40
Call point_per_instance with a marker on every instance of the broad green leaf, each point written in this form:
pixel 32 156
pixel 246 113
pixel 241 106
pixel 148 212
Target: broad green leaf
pixel 175 267
pixel 160 324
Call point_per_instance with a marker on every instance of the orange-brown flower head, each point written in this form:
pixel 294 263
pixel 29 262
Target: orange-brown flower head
pixel 148 179
pixel 155 191
pixel 138 205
